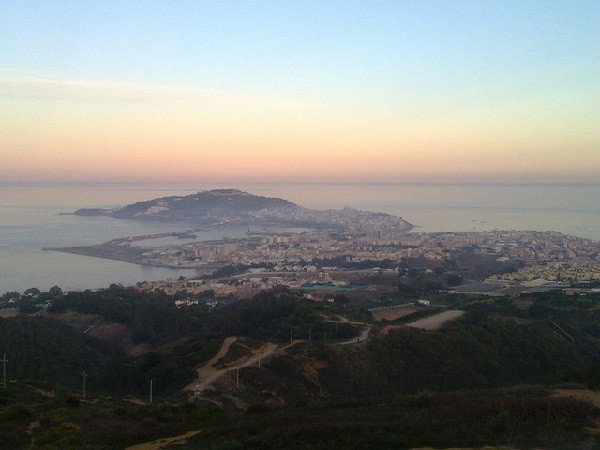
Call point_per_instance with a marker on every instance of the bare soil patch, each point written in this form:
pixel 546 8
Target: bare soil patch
pixel 581 394
pixel 161 443
pixel 9 312
pixel 435 322
pixel 393 312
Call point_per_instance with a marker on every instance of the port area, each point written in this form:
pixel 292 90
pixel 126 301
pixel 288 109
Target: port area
pixel 189 234
pixel 121 249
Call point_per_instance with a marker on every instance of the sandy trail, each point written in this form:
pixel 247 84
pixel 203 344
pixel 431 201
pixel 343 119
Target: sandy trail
pixel 222 352
pixel 160 443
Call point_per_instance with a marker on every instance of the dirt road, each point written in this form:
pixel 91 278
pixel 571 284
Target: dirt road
pixel 208 374
pixel 364 336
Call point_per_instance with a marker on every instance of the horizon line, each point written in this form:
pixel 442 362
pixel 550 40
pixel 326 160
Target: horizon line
pixel 229 184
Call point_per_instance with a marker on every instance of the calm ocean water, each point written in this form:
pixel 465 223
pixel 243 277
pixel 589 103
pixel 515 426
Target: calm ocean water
pixel 30 219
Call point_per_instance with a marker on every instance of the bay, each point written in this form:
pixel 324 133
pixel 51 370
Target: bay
pixel 30 219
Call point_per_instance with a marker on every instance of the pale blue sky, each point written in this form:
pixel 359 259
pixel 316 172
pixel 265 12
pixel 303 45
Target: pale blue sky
pixel 316 48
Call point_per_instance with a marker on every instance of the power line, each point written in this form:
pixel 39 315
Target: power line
pixel 84 375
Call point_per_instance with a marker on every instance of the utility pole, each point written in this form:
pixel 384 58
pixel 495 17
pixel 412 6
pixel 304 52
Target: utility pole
pixel 4 361
pixel 84 375
pixel 237 378
pixel 291 334
pixel 151 389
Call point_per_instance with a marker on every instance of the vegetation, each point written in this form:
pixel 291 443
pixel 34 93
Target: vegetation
pixel 472 353
pixel 425 419
pixel 41 349
pixel 438 420
pixel 487 378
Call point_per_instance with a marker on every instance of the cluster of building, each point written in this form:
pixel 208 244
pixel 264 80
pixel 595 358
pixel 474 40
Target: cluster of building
pixel 213 292
pixel 577 270
pixel 550 255
pixel 295 260
pixel 348 219
pixel 324 260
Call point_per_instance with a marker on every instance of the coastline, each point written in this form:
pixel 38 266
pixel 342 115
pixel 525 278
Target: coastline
pixel 30 224
pixel 116 254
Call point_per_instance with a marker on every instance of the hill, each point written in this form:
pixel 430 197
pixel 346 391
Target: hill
pixel 231 206
pixel 206 205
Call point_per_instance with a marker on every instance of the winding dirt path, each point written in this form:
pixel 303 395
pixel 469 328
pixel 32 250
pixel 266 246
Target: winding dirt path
pixel 222 352
pixel 208 374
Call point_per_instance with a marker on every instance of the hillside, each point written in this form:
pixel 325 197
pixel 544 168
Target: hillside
pixel 47 351
pixel 272 372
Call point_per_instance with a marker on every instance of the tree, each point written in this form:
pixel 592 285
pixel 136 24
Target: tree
pixel 28 306
pixel 453 280
pixel 55 291
pixel 11 295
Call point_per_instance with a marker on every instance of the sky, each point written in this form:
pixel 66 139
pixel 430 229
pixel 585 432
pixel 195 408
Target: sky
pixel 300 91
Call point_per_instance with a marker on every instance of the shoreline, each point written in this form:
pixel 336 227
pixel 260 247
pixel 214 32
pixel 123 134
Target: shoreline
pixel 91 251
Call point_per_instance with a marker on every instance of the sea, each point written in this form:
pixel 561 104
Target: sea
pixel 33 217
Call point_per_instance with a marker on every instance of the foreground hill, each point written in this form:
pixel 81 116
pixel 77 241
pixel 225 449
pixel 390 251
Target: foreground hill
pixel 475 351
pixel 277 371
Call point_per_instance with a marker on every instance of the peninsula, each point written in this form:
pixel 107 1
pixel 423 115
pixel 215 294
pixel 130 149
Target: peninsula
pixel 234 207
